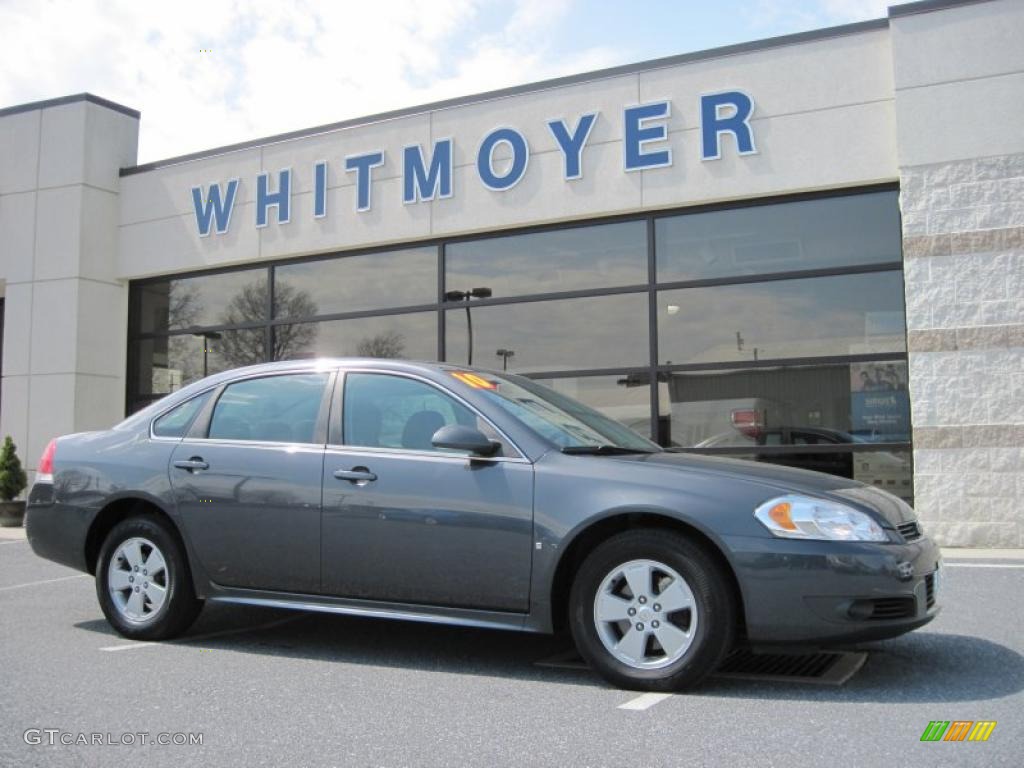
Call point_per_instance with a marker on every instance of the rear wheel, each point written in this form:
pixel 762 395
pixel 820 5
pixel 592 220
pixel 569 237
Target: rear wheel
pixel 651 610
pixel 143 582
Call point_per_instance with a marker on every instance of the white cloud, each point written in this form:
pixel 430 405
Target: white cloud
pixel 795 16
pixel 272 66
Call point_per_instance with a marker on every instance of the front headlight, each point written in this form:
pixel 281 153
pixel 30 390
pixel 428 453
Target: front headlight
pixel 804 517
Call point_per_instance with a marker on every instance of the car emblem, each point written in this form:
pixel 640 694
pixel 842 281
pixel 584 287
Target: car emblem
pixel 905 570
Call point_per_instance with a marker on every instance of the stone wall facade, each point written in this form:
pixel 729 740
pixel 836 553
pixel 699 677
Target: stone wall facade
pixel 963 225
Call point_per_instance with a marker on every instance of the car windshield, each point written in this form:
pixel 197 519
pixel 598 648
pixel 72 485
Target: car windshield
pixel 565 422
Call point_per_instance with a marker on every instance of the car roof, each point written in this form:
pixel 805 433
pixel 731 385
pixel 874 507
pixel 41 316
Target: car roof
pixel 307 364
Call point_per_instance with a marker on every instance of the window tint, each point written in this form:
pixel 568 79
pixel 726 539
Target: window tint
pixel 275 408
pixel 851 403
pixel 382 411
pixel 222 299
pixel 167 363
pixel 355 283
pixel 543 262
pixel 811 234
pixel 811 317
pixel 410 337
pixel 563 335
pixel 175 423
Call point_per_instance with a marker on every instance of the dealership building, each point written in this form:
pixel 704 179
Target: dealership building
pixel 807 250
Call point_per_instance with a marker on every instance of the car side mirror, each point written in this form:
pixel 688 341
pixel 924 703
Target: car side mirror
pixel 459 438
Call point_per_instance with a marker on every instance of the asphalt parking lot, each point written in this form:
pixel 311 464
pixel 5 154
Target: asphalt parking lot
pixel 269 687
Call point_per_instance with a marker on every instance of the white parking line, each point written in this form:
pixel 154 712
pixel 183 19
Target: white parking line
pixel 46 581
pixel 645 701
pixel 207 636
pixel 947 564
pixel 14 541
pixel 127 647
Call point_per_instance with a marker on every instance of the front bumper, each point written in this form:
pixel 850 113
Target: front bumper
pixel 827 593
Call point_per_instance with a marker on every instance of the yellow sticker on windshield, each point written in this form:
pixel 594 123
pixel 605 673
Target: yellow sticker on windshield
pixel 474 380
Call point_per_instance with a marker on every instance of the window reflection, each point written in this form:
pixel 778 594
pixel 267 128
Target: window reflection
pixel 355 283
pixel 810 234
pixel 892 471
pixel 600 256
pixel 806 405
pixel 813 317
pixel 410 337
pixel 221 299
pixel 571 334
pixel 166 364
pixel 627 399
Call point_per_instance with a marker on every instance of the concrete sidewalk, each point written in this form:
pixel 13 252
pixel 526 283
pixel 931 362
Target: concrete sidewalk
pixel 12 534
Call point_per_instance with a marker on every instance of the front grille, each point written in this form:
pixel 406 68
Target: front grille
pixel 909 531
pixel 929 590
pixel 892 608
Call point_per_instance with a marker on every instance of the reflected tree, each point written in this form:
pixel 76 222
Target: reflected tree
pixel 387 344
pixel 246 346
pixel 184 307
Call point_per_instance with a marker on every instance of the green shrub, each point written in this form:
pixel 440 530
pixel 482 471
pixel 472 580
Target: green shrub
pixel 12 476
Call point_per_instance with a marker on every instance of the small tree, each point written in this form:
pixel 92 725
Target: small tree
pixel 12 476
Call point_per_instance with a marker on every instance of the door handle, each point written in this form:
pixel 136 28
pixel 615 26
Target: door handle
pixel 192 464
pixel 355 475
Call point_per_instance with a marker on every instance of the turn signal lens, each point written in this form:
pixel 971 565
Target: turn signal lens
pixel 474 380
pixel 780 514
pixel 44 472
pixel 807 517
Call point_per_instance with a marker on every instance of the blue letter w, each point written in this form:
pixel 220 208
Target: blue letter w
pixel 214 207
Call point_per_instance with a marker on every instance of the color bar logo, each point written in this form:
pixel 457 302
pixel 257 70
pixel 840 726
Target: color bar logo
pixel 958 730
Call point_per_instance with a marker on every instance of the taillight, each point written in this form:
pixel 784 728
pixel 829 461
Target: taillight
pixel 44 472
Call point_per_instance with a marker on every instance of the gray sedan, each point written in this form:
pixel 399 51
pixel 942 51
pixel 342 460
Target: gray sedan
pixel 439 493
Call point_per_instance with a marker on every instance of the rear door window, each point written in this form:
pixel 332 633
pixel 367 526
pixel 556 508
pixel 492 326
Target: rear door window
pixel 175 422
pixel 281 409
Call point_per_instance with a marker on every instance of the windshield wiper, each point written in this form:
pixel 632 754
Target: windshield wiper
pixel 601 450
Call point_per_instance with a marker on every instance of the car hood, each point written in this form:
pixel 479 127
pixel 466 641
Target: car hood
pixel 784 479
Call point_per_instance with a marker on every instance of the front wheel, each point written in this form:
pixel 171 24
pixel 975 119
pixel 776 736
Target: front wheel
pixel 143 582
pixel 651 610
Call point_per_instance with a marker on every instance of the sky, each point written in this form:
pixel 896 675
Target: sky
pixel 206 73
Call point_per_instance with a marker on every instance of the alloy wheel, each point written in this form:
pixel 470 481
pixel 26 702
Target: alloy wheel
pixel 137 579
pixel 646 614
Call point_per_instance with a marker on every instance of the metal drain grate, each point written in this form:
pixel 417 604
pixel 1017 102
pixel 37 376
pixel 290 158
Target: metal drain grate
pixel 825 668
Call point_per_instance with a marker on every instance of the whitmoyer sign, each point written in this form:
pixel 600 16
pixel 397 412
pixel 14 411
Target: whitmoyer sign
pixel 645 133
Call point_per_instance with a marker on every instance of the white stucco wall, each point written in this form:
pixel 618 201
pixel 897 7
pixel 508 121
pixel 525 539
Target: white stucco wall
pixel 65 307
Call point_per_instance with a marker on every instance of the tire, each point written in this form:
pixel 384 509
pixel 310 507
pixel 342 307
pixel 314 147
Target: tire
pixel 696 637
pixel 139 604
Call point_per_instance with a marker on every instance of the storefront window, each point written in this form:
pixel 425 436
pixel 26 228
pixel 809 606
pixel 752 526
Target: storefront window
pixel 838 404
pixel 624 398
pixel 810 234
pixel 566 335
pixel 410 337
pixel 356 283
pixel 227 298
pixel 574 259
pixel 165 364
pixel 748 364
pixel 811 317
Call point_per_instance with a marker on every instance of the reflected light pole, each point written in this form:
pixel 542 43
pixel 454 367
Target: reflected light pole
pixel 505 354
pixel 207 337
pixel 476 293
